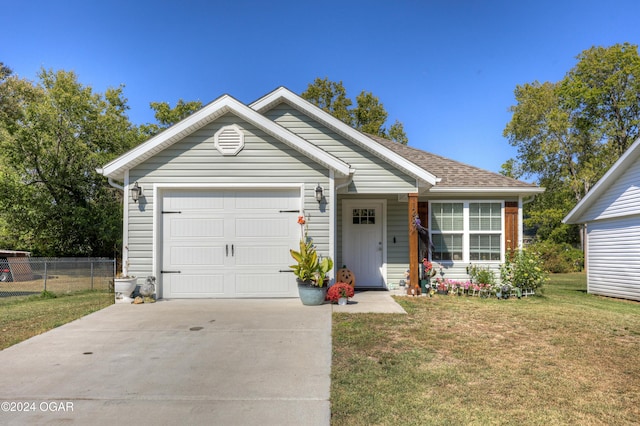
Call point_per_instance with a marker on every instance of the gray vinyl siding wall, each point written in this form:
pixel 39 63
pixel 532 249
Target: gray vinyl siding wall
pixel 373 175
pixel 613 257
pixel 195 160
pixel 613 238
pixel 622 198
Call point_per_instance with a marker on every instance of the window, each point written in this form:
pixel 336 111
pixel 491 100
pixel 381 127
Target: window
pixel 364 216
pixel 485 226
pixel 466 231
pixel 447 225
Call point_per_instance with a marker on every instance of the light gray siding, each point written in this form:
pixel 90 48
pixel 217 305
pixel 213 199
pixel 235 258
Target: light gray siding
pixel 622 198
pixel 373 175
pixel 613 257
pixel 195 160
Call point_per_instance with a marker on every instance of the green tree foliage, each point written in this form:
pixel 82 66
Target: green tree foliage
pixel 569 133
pixel 54 134
pixel 167 116
pixel 368 115
pixel 331 97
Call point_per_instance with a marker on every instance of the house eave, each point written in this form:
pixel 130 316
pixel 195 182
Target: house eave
pixel 497 191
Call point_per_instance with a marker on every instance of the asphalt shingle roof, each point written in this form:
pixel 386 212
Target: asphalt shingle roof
pixel 453 174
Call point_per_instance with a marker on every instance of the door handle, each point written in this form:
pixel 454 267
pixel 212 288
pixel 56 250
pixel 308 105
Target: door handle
pixel 232 251
pixel 227 249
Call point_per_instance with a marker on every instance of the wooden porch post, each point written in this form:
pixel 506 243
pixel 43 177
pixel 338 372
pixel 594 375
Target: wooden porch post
pixel 413 242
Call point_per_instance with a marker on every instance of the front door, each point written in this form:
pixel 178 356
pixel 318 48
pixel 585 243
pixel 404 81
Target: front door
pixel 363 242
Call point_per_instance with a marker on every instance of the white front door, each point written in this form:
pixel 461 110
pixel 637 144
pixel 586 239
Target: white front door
pixel 363 245
pixel 223 243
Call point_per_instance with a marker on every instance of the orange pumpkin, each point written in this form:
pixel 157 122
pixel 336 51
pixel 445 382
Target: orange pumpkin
pixel 346 276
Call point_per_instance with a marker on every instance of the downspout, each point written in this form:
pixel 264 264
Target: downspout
pixel 115 185
pixel 352 172
pixel 125 256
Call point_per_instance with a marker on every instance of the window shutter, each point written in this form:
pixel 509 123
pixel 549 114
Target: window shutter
pixel 511 225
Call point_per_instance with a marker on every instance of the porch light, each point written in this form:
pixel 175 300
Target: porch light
pixel 136 192
pixel 319 194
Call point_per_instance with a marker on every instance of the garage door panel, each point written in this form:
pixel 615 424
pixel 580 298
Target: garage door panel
pixel 197 228
pixel 195 200
pixel 270 200
pixel 194 285
pixel 279 227
pixel 205 257
pixel 276 257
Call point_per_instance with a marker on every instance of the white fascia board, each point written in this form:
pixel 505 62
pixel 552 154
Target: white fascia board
pixel 333 123
pixel 487 190
pixel 618 168
pixel 209 113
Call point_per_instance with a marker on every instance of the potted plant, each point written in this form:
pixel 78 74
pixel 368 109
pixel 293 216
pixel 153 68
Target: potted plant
pixel 311 273
pixel 340 293
pixel 124 284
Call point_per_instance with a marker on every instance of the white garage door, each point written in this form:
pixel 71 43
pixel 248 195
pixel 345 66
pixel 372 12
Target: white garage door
pixel 228 244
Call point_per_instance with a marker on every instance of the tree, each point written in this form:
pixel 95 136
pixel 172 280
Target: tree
pixel 56 133
pixel 569 133
pixel 368 115
pixel 603 93
pixel 167 116
pixel 331 97
pixel 397 134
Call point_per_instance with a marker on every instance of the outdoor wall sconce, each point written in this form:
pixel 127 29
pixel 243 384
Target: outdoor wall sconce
pixel 319 194
pixel 136 192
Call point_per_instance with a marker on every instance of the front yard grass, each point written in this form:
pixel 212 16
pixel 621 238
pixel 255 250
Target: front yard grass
pixel 564 357
pixel 22 318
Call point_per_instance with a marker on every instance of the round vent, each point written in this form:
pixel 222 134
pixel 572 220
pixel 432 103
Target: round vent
pixel 229 140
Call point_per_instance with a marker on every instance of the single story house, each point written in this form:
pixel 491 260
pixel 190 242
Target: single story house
pixel 611 214
pixel 212 203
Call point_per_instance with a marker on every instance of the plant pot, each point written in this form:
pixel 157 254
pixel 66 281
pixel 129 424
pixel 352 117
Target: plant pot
pixel 342 301
pixel 311 295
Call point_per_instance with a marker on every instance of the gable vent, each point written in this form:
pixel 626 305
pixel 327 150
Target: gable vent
pixel 229 140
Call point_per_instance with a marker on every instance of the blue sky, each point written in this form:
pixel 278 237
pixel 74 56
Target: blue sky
pixel 446 69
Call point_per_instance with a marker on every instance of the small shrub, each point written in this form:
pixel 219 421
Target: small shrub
pixel 559 258
pixel 523 269
pixel 481 275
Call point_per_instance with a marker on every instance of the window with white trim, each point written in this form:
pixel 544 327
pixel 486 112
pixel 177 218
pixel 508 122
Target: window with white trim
pixel 466 231
pixel 485 231
pixel 447 230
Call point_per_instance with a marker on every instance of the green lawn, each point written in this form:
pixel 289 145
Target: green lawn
pixel 22 318
pixel 565 357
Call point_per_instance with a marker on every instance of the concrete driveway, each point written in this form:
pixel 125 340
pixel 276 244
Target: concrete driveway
pixel 214 362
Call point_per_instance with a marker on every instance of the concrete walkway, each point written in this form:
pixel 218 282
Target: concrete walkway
pixel 213 362
pixel 372 301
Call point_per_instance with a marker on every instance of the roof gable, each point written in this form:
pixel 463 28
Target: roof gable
pixel 283 94
pixel 223 105
pixel 631 155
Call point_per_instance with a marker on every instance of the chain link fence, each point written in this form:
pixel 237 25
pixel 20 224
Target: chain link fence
pixel 24 276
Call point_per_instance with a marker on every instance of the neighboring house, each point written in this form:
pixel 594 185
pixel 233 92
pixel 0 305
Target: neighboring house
pixel 611 214
pixel 222 191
